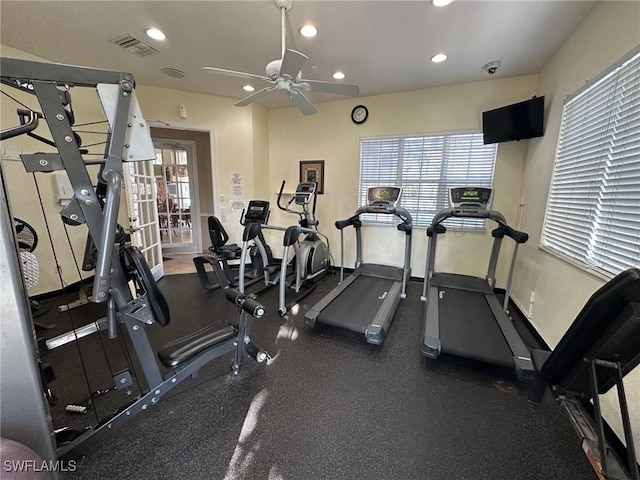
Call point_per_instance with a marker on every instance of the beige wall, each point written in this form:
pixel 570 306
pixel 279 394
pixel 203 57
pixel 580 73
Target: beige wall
pixel 260 127
pixel 611 31
pixel 330 135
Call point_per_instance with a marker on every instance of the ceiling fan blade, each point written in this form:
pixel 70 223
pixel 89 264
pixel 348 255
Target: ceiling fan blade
pixel 254 96
pixel 292 63
pixel 233 73
pixel 302 102
pixel 330 87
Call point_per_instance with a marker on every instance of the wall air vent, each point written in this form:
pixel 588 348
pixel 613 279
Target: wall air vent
pixel 133 45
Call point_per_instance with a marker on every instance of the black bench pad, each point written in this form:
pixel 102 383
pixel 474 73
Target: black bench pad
pixel 182 349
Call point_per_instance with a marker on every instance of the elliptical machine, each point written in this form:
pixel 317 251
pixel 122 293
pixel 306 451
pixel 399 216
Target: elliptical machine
pixel 311 256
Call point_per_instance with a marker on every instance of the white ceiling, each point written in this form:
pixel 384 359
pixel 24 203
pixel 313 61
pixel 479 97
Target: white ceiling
pixel 382 46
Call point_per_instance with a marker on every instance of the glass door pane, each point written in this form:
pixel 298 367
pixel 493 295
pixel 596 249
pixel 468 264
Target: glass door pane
pixel 139 182
pixel 174 179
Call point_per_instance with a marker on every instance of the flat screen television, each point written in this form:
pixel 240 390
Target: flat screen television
pixel 514 122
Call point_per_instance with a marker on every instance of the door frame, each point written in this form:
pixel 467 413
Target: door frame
pixel 213 148
pixel 196 230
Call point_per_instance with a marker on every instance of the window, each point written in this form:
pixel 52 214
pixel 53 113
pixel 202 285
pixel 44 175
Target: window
pixel 593 211
pixel 426 167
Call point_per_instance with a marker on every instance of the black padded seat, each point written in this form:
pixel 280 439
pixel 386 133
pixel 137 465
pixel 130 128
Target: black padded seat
pixel 183 349
pixel 219 239
pixel 606 328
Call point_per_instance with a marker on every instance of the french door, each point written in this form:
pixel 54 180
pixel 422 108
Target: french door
pixel 177 205
pixel 140 193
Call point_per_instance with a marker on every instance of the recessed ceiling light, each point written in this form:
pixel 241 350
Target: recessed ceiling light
pixel 156 34
pixel 173 72
pixel 440 3
pixel 339 75
pixel 248 88
pixel 308 31
pixel 441 57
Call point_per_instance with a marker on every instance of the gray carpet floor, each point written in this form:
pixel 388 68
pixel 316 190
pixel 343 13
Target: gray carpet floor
pixel 329 406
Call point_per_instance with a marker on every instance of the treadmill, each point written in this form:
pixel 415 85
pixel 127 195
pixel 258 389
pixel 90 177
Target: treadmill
pixel 462 315
pixel 367 300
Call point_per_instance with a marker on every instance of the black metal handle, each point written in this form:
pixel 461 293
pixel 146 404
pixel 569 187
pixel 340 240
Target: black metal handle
pixel 280 196
pixel 31 125
pixel 247 303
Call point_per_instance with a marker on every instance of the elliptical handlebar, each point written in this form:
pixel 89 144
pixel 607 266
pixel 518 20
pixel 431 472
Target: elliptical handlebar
pixel 286 209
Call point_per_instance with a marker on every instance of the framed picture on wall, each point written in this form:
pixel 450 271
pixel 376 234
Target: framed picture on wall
pixel 313 171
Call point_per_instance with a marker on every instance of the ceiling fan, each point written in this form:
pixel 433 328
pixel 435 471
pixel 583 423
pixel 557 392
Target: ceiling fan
pixel 285 75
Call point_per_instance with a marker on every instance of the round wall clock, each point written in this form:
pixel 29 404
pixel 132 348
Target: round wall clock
pixel 359 114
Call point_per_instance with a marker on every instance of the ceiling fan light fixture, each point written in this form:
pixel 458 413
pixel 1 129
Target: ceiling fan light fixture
pixel 248 88
pixel 339 76
pixel 440 57
pixel 156 34
pixel 440 3
pixel 308 31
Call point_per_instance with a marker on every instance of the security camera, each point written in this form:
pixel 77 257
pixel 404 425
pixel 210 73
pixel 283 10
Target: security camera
pixel 491 67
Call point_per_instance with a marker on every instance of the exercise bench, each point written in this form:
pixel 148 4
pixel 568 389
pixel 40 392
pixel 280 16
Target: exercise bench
pixel 599 349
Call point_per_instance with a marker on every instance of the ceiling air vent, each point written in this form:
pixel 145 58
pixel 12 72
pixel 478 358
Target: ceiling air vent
pixel 133 45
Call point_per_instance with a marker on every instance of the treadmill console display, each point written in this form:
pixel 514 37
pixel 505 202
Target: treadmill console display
pixel 476 198
pixel 388 196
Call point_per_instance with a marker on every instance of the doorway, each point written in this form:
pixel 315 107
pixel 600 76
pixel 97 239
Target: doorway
pixel 175 172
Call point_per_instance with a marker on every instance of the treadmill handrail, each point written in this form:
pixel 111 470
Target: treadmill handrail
pixel 399 212
pixel 445 213
pixel 498 234
pixel 516 235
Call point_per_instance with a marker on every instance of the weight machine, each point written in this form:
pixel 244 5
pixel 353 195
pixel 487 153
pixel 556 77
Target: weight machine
pixel 24 415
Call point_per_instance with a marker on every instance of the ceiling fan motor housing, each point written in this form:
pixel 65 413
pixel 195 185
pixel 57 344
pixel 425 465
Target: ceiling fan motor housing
pixel 286 4
pixel 273 69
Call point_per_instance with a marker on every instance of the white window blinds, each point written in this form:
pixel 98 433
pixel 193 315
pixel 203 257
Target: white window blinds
pixel 426 167
pixel 593 212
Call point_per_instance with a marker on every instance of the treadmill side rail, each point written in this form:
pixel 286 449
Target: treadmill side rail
pixel 431 345
pixel 379 326
pixel 521 355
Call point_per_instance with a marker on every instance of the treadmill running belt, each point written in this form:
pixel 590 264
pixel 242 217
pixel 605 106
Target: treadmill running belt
pixel 468 328
pixel 355 307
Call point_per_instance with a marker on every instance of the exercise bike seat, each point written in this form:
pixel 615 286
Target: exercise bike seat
pixel 219 238
pixel 183 349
